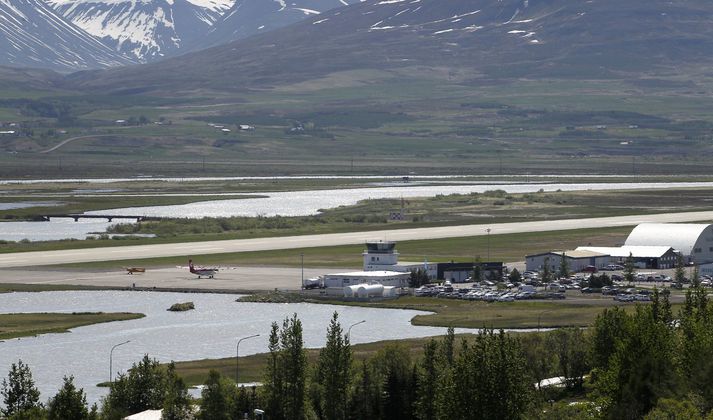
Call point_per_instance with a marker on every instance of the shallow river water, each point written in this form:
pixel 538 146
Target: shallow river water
pixel 209 331
pixel 298 203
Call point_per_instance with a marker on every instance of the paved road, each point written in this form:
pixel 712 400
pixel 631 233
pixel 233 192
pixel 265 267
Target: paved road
pixel 27 259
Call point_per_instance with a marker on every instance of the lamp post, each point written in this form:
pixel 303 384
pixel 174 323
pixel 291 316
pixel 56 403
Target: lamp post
pixel 302 264
pixel 237 355
pixel 349 331
pixel 111 359
pixel 539 316
pixel 488 240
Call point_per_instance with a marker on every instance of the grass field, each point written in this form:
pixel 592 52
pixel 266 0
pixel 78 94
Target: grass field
pixel 31 324
pixel 512 247
pixel 575 311
pixel 375 123
pixel 252 367
pixel 18 287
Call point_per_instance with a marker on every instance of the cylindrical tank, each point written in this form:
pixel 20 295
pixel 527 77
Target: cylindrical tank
pixel 349 291
pixel 369 290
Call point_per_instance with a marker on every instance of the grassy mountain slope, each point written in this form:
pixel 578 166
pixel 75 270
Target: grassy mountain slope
pixel 472 40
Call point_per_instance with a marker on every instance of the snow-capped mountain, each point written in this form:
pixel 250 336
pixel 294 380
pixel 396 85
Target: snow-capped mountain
pixel 144 29
pixel 466 40
pixel 32 34
pixel 250 17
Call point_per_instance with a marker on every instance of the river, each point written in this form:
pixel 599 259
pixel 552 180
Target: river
pixel 209 331
pixel 300 203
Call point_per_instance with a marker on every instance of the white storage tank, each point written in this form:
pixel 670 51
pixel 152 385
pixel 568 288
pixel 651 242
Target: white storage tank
pixel 370 290
pixel 390 291
pixel 350 291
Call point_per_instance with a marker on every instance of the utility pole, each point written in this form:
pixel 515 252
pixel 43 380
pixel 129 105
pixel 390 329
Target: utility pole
pixel 488 241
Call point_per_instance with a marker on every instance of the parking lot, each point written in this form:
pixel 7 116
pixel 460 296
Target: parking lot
pixel 581 287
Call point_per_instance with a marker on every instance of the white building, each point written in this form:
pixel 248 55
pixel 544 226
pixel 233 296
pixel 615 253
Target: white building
pixel 577 260
pixel 385 278
pixel 383 256
pixel 338 283
pixel 146 415
pixel 693 241
pixel 644 256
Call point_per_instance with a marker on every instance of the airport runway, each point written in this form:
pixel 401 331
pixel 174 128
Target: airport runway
pixel 30 259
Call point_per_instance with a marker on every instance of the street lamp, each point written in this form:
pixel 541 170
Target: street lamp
pixel 111 358
pixel 237 355
pixel 540 315
pixel 349 331
pixel 488 240
pixel 302 263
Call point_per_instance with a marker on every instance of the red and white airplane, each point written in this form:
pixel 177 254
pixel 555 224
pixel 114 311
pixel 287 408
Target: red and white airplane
pixel 201 271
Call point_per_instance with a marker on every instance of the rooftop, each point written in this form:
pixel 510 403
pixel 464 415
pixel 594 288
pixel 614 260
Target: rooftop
pixel 581 253
pixel 368 274
pixel 626 250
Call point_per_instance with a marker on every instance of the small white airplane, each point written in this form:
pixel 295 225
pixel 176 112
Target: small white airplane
pixel 201 271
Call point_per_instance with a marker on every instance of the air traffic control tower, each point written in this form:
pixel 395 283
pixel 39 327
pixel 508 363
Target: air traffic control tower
pixel 380 256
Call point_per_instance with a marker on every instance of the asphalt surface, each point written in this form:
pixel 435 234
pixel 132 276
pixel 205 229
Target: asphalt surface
pixel 30 259
pixel 233 279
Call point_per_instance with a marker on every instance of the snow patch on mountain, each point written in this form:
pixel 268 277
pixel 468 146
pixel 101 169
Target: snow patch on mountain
pixel 145 29
pixel 33 34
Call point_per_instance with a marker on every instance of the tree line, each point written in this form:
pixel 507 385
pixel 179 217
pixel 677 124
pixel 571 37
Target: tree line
pixel 645 363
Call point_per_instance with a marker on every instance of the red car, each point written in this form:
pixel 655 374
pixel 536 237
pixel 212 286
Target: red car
pixel 589 269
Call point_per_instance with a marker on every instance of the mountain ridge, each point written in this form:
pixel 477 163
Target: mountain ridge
pixel 144 30
pixel 478 38
pixel 32 34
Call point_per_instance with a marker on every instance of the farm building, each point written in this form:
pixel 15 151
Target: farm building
pixel 693 241
pixel 576 260
pixel 643 256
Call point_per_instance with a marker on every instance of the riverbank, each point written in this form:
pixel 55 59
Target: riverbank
pixel 32 324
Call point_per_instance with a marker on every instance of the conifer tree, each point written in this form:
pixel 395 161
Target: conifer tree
pixel 629 269
pixel 177 402
pixel 69 403
pixel 214 404
pixel 563 271
pixel 334 373
pixel 18 390
pixel 428 383
pixel 546 271
pixel 285 374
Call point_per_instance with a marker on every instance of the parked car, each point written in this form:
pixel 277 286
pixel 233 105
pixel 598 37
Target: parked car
pixel 589 269
pixel 613 267
pixel 610 291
